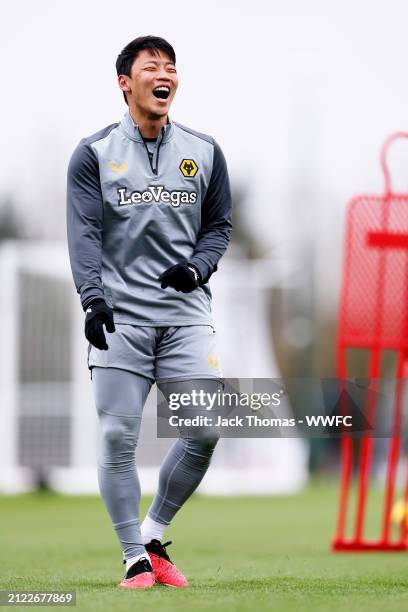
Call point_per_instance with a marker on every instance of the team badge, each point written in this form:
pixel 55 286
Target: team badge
pixel 188 168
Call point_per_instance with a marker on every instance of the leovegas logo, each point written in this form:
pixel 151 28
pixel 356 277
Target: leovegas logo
pixel 156 194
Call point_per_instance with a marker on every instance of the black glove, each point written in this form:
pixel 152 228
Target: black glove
pixel 183 277
pixel 97 314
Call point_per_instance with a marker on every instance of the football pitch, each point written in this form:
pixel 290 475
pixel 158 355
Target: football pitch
pixel 238 553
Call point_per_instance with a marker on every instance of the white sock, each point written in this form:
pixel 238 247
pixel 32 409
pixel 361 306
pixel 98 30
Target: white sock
pixel 151 530
pixel 132 560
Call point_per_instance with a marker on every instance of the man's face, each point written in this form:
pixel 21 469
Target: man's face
pixel 152 84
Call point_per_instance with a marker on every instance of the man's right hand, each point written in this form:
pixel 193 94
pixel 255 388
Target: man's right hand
pixel 98 313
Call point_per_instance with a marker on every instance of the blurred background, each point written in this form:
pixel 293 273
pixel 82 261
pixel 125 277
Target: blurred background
pixel 300 96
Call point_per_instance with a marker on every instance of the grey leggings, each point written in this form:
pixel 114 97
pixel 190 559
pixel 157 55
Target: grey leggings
pixel 120 396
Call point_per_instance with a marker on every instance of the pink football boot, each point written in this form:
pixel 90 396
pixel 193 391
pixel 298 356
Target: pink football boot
pixel 164 570
pixel 139 576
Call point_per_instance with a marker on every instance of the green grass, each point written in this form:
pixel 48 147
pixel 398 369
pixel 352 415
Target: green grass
pixel 238 553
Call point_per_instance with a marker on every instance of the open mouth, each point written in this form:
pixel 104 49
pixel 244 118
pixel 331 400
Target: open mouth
pixel 162 92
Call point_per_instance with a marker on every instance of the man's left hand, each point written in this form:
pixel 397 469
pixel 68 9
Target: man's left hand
pixel 183 277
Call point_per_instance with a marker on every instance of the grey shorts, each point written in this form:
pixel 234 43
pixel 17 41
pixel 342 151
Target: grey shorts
pixel 161 353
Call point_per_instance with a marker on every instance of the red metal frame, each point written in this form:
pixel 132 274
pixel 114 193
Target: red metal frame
pixel 373 316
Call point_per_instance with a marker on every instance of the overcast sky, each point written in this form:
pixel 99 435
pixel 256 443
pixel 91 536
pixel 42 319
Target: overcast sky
pixel 300 96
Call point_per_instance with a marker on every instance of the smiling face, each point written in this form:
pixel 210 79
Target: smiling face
pixel 152 84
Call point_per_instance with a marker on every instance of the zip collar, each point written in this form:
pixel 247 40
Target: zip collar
pixel 131 129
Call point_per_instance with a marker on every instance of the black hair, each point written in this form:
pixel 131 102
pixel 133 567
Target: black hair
pixel 154 44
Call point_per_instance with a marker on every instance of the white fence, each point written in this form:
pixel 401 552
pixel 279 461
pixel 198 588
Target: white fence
pixel 49 429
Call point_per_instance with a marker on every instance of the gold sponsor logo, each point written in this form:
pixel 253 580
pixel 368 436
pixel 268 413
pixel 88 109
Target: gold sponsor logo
pixel 213 361
pixel 116 168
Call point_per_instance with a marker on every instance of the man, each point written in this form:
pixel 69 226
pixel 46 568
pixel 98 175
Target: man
pixel 148 219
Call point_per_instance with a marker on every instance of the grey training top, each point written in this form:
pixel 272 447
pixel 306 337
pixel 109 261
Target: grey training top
pixel 130 217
